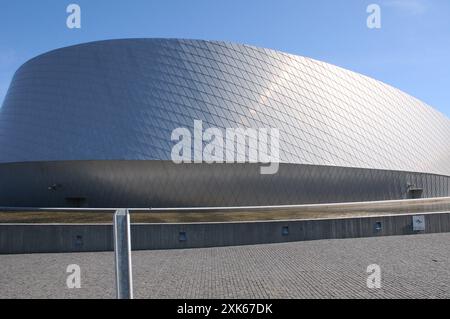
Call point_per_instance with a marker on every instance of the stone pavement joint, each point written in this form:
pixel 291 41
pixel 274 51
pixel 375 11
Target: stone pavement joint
pixel 415 266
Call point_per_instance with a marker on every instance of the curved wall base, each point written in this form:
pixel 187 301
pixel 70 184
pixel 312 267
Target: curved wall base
pixel 164 184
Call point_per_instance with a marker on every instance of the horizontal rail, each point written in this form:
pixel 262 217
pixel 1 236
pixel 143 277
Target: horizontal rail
pixel 425 201
pixel 323 205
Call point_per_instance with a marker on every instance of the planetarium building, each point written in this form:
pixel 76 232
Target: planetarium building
pixel 91 125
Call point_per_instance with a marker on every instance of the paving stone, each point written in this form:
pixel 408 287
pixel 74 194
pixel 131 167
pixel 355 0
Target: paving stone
pixel 411 267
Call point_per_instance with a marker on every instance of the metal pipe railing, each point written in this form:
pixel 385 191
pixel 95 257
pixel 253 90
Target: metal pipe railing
pixel 122 229
pixel 122 253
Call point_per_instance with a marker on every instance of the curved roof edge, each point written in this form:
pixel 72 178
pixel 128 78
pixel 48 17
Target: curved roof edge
pixel 225 43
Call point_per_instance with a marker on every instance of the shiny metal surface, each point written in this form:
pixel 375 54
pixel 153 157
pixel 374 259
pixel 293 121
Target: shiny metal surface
pixel 122 254
pixel 164 184
pixel 119 100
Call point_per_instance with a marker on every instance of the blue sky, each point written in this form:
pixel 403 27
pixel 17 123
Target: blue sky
pixel 411 51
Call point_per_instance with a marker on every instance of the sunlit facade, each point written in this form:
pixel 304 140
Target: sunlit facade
pixel 90 125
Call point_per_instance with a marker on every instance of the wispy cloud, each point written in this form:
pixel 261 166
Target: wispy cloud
pixel 413 7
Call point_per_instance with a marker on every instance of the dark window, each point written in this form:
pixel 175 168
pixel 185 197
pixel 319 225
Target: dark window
pixel 76 202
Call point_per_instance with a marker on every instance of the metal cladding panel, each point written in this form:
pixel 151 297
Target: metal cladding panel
pixel 121 99
pixel 165 184
pixel 91 125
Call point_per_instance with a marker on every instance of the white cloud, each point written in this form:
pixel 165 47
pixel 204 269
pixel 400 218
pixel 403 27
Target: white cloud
pixel 413 7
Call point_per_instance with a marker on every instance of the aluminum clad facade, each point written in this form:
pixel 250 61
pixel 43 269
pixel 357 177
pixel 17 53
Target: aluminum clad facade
pixel 115 104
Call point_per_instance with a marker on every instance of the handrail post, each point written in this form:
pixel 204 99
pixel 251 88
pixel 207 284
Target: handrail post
pixel 122 252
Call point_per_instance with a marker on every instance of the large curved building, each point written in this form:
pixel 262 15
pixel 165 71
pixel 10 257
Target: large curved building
pixel 90 125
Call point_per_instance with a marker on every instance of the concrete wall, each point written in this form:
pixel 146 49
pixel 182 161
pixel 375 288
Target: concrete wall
pixel 52 238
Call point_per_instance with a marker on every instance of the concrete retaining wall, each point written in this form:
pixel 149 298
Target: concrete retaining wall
pixel 52 238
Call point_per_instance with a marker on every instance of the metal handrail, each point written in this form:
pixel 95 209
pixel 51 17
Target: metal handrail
pixel 216 208
pixel 122 229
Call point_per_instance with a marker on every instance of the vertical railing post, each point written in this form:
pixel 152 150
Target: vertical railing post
pixel 122 252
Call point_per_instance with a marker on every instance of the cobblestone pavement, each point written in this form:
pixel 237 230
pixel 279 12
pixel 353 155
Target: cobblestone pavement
pixel 411 267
